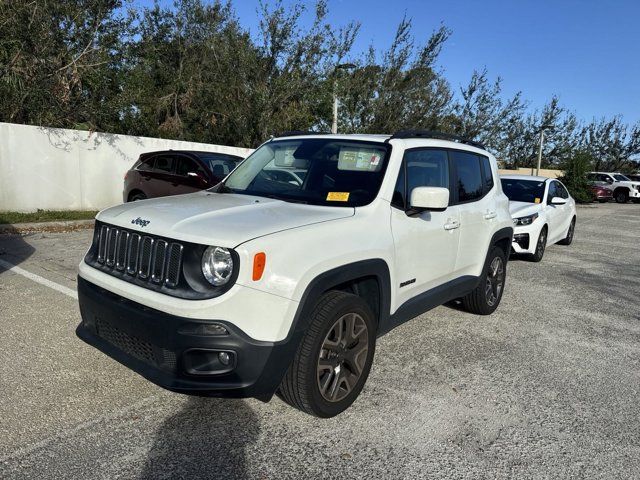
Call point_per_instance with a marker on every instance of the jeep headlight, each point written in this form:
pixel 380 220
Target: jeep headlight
pixel 217 265
pixel 528 220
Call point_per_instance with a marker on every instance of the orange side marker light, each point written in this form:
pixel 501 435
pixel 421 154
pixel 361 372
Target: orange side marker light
pixel 259 262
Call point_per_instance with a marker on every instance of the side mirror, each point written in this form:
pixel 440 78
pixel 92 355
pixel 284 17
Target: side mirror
pixel 558 201
pixel 197 176
pixel 428 198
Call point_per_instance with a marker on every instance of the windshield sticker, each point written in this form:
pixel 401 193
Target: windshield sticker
pixel 537 200
pixel 338 197
pixel 360 159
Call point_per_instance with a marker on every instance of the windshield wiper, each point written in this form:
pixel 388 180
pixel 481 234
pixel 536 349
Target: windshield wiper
pixel 289 200
pixel 222 188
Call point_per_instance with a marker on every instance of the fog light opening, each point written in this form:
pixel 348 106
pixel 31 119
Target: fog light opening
pixel 224 358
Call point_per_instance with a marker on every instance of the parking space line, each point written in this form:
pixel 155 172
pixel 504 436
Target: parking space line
pixel 38 279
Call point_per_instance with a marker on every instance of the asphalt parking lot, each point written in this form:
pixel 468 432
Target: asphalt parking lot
pixel 547 387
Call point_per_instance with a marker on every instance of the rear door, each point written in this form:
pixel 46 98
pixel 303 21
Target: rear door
pixel 425 244
pixel 156 182
pixel 472 182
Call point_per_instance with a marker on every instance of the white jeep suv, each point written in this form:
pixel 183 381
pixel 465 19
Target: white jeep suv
pixel 623 188
pixel 261 286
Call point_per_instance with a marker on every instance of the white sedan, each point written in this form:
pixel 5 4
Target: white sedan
pixel 543 213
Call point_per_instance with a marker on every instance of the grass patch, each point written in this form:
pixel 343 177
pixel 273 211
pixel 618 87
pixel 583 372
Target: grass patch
pixel 46 216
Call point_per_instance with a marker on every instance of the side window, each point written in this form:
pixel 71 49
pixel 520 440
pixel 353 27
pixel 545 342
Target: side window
pixel 147 165
pixel 561 190
pixel 398 193
pixel 164 164
pixel 553 191
pixel 186 165
pixel 468 181
pixel 422 168
pixel 488 174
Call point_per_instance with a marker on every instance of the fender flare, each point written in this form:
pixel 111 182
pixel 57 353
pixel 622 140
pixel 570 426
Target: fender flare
pixel 285 350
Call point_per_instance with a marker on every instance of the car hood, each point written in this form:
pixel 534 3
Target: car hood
pixel 523 209
pixel 629 183
pixel 217 219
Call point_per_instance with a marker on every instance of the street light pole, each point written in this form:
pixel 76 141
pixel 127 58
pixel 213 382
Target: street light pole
pixel 540 151
pixel 542 129
pixel 341 66
pixel 334 125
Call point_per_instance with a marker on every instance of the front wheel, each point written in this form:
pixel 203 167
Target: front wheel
pixel 569 238
pixel 333 361
pixel 485 298
pixel 622 196
pixel 540 246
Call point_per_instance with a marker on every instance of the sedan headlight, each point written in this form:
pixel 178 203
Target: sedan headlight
pixel 217 265
pixel 528 220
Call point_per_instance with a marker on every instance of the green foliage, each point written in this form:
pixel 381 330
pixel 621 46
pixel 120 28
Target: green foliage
pixel 45 216
pixel 191 71
pixel 574 175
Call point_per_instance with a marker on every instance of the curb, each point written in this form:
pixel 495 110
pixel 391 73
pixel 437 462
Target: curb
pixel 54 227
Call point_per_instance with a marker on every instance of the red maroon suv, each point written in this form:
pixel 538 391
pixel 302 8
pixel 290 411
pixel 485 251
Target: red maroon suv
pixel 175 172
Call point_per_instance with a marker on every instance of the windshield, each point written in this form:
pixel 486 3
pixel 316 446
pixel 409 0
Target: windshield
pixel 620 178
pixel 318 171
pixel 530 191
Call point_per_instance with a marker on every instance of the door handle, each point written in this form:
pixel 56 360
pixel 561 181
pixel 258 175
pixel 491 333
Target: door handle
pixel 490 215
pixel 451 224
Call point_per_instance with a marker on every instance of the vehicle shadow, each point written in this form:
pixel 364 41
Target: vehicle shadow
pixel 207 438
pixel 13 249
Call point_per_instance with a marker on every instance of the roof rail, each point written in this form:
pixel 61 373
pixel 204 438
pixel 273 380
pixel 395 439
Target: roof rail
pixel 434 134
pixel 294 133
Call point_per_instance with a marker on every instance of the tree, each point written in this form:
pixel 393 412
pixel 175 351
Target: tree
pixel 612 144
pixel 402 91
pixel 61 62
pixel 574 175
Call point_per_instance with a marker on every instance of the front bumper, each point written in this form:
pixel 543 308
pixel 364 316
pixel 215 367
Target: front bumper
pixel 175 353
pixel 525 238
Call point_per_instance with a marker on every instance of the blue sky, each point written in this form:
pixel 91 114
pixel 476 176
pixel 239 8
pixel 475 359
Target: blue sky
pixel 586 52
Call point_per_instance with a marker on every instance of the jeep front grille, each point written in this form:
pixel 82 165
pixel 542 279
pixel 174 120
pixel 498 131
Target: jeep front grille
pixel 142 256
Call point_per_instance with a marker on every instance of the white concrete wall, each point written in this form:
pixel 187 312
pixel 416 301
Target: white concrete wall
pixel 59 169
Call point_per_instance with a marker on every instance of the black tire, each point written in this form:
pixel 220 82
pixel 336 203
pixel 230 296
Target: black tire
pixel 568 240
pixel 621 196
pixel 134 197
pixel 541 246
pixel 301 385
pixel 479 300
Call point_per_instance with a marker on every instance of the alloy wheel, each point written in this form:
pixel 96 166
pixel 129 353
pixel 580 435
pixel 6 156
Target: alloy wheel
pixel 343 356
pixel 495 281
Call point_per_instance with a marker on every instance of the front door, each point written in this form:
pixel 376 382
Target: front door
pixel 478 214
pixel 425 244
pixel 190 176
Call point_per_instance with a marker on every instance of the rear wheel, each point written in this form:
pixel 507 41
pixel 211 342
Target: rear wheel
pixel 541 245
pixel 487 295
pixel 569 238
pixel 622 196
pixel 334 358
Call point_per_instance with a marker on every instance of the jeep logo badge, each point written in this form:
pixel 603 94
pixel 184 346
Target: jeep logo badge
pixel 141 222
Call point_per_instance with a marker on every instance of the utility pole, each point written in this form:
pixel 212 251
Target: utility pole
pixel 542 129
pixel 341 66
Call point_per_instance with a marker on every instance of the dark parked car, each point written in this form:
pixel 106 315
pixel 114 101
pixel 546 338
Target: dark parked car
pixel 175 172
pixel 633 176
